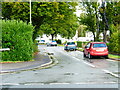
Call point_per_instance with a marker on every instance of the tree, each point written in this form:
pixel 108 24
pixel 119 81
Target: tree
pixel 100 16
pixel 49 13
pixel 90 18
pixel 63 21
pixel 81 31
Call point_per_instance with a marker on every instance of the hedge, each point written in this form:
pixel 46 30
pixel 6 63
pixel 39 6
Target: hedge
pixel 58 41
pixel 81 44
pixel 114 46
pixel 17 35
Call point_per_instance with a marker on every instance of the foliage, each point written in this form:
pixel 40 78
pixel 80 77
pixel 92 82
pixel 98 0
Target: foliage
pixel 62 21
pixel 55 17
pixel 115 41
pixel 81 31
pixel 35 46
pixel 90 18
pixel 58 41
pixel 81 44
pixel 100 17
pixel 17 35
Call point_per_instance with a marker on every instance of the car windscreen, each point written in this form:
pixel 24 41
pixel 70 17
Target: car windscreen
pixel 98 45
pixel 42 40
pixel 53 41
pixel 71 43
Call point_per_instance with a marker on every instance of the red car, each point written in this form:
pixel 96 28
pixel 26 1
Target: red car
pixel 96 49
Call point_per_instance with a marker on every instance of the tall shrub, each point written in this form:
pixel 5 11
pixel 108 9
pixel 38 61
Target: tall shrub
pixel 114 46
pixel 81 44
pixel 17 35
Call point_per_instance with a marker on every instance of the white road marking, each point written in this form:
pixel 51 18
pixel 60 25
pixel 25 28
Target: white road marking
pixel 110 73
pixel 83 61
pixel 35 84
pixel 58 83
pixel 9 84
pixel 89 64
pixel 111 60
pixel 110 82
pixel 3 71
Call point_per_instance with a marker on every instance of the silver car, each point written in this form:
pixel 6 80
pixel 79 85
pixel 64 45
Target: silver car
pixel 52 43
pixel 70 46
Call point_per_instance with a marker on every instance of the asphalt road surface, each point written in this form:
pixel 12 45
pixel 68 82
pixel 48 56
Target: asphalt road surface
pixel 72 71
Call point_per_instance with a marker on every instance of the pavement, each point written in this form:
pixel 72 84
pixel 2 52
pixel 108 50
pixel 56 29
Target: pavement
pixel 38 62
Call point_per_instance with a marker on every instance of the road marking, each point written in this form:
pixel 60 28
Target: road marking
pixel 110 82
pixel 9 84
pixel 89 64
pixel 82 61
pixel 3 71
pixel 111 73
pixel 35 84
pixel 5 84
pixel 58 83
pixel 111 60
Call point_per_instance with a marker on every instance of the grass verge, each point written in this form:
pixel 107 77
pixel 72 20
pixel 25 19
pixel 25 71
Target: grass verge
pixel 60 45
pixel 114 56
pixel 80 49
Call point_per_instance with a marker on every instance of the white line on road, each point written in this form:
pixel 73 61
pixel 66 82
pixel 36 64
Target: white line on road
pixel 9 84
pixel 35 84
pixel 5 84
pixel 89 64
pixel 58 83
pixel 110 73
pixel 82 61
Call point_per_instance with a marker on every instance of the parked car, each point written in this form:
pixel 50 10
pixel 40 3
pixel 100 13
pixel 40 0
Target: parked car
pixel 52 43
pixel 70 46
pixel 95 49
pixel 42 42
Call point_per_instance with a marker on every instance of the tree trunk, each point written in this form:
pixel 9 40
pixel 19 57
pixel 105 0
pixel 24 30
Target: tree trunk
pixel 104 36
pixel 106 23
pixel 52 35
pixel 94 36
pixel 97 24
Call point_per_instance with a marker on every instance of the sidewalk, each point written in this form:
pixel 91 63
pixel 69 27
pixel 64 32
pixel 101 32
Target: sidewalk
pixel 39 61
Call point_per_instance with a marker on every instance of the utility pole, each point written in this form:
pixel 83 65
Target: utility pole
pixel 30 13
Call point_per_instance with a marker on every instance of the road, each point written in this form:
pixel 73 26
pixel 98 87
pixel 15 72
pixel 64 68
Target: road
pixel 72 71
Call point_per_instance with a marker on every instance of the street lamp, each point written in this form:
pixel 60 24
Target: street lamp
pixel 30 13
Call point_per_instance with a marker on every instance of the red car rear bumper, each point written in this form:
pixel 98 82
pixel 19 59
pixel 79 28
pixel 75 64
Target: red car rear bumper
pixel 99 54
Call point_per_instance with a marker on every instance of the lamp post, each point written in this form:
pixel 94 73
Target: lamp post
pixel 30 13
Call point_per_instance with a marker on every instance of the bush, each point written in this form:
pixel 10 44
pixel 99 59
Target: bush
pixel 35 46
pixel 114 46
pixel 58 41
pixel 17 35
pixel 81 44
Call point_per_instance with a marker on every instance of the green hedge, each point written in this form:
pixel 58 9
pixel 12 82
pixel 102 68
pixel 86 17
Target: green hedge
pixel 114 46
pixel 58 41
pixel 81 44
pixel 17 36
